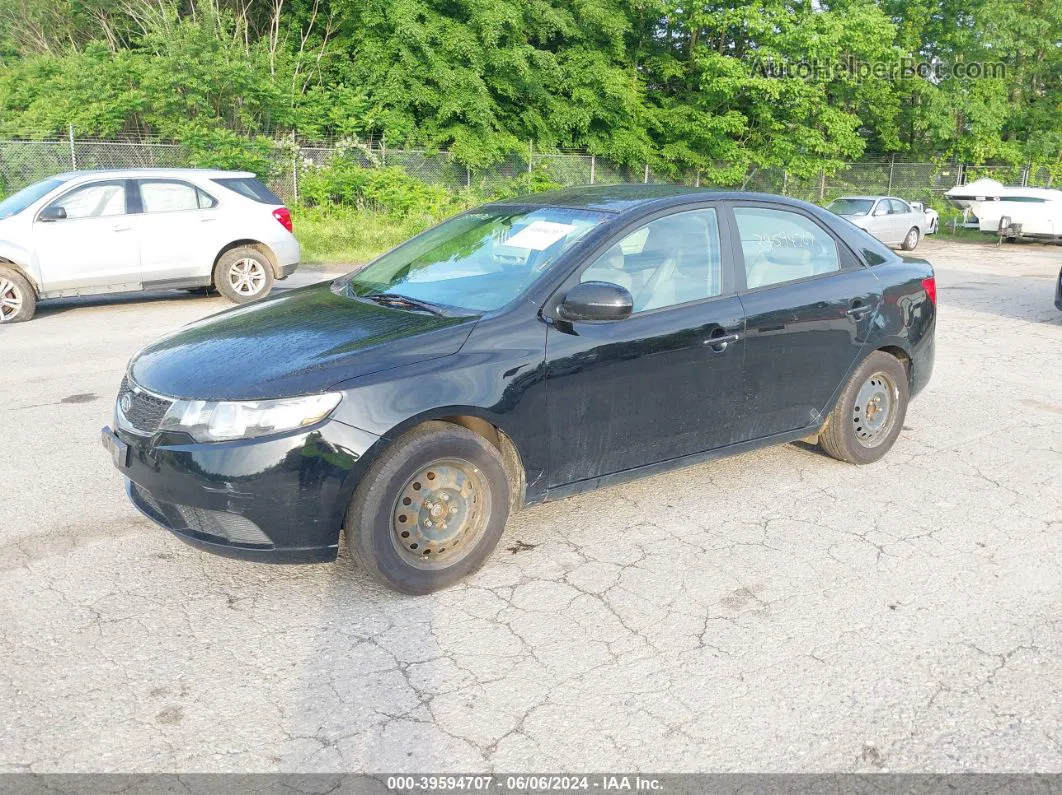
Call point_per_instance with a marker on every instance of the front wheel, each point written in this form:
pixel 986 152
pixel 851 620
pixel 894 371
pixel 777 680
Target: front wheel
pixel 18 302
pixel 869 415
pixel 243 275
pixel 911 241
pixel 430 510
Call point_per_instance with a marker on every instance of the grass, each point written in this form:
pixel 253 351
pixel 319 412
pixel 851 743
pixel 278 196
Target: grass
pixel 351 236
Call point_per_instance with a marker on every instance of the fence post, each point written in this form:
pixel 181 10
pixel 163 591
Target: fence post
pixel 785 181
pixel 593 167
pixel 1025 175
pixel 468 176
pixel 294 168
pixel 958 176
pixel 530 154
pixel 822 185
pixel 73 155
pixel 697 179
pixel 383 151
pixel 892 165
pixel 645 180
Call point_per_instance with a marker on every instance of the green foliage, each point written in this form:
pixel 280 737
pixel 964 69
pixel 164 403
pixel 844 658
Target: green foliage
pixel 344 181
pixel 634 81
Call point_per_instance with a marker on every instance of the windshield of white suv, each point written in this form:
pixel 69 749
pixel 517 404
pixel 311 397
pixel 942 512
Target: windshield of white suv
pixel 478 261
pixel 17 202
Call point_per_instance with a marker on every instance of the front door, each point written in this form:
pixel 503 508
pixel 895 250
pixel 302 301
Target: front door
pixel 667 381
pixel 809 305
pixel 94 248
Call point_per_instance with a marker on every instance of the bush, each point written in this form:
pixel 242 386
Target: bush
pixel 345 182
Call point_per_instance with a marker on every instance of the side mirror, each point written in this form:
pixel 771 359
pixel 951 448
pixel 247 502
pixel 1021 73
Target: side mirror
pixel 596 302
pixel 53 213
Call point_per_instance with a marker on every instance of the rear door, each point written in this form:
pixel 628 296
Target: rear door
pixel 94 248
pixel 667 381
pixel 809 305
pixel 179 230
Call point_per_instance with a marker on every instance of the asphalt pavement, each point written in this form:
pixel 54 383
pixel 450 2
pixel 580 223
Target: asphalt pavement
pixel 777 611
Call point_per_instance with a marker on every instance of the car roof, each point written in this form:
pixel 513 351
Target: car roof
pixel 132 173
pixel 868 197
pixel 631 198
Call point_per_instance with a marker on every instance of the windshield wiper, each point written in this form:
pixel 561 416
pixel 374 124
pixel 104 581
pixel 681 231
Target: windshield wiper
pixel 403 302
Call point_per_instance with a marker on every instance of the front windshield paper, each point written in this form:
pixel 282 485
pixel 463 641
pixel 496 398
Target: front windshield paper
pixel 539 235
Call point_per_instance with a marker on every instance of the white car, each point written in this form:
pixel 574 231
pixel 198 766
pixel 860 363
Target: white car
pixel 932 218
pixel 93 232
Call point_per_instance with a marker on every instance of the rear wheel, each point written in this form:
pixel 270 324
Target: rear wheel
pixel 430 510
pixel 911 241
pixel 243 275
pixel 869 415
pixel 18 301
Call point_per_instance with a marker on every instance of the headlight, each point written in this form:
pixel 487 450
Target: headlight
pixel 208 421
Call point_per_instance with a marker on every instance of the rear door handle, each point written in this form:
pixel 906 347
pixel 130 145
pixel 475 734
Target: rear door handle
pixel 720 342
pixel 859 309
pixel 120 228
pixel 207 220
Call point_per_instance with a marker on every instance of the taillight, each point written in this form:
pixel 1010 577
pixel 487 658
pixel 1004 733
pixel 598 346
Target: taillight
pixel 930 286
pixel 282 215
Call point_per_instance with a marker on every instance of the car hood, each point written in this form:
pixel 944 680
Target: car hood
pixel 298 343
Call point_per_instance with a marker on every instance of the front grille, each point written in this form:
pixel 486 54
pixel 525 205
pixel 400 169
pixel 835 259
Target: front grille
pixel 143 411
pixel 230 528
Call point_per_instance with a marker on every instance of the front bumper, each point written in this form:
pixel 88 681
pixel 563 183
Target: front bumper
pixel 276 499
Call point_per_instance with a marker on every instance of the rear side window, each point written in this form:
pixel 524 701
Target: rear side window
pixel 899 207
pixel 167 196
pixel 781 246
pixel 249 188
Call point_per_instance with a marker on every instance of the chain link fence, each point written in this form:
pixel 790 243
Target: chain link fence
pixel 24 162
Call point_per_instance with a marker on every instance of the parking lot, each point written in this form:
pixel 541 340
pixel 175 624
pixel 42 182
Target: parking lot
pixel 776 611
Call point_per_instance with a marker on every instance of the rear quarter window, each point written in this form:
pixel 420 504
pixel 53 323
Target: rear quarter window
pixel 249 188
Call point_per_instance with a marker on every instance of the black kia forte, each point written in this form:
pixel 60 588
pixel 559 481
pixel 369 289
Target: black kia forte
pixel 523 351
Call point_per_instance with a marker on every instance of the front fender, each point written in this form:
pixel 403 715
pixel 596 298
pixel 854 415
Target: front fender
pixel 23 262
pixel 504 390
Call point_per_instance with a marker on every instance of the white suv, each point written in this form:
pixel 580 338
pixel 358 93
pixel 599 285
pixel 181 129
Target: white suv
pixel 92 232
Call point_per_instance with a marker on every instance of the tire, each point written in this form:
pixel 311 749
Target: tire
pixel 849 433
pixel 18 300
pixel 243 275
pixel 910 242
pixel 394 497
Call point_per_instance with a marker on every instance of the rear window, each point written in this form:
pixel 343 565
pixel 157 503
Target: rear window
pixel 249 188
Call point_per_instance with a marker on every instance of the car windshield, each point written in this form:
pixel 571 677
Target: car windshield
pixel 17 202
pixel 478 261
pixel 850 206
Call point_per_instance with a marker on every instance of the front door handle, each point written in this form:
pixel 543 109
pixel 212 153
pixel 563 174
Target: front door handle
pixel 120 228
pixel 207 220
pixel 719 340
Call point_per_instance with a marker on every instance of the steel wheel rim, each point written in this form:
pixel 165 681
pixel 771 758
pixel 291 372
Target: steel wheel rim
pixel 440 514
pixel 912 237
pixel 10 299
pixel 247 276
pixel 874 412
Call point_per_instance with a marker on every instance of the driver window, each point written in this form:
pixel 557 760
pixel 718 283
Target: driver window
pixel 99 200
pixel 781 246
pixel 672 260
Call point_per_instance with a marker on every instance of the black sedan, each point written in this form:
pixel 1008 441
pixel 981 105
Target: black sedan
pixel 520 352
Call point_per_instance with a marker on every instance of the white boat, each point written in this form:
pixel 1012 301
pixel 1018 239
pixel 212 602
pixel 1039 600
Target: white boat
pixel 1038 211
